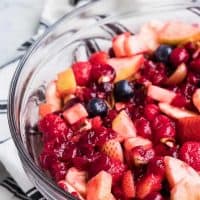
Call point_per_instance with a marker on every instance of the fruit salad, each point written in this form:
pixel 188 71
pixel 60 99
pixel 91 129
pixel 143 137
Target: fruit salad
pixel 126 123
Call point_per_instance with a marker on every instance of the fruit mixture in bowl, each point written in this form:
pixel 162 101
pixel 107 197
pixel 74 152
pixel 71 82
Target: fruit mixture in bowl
pixel 125 124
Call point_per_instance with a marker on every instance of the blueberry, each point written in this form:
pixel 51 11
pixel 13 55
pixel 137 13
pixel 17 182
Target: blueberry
pixel 123 91
pixel 97 107
pixel 162 53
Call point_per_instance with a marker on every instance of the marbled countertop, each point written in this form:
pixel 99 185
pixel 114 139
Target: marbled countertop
pixel 18 22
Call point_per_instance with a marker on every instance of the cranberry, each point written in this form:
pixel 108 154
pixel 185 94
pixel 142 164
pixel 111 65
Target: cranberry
pixel 193 78
pixel 191 47
pixel 106 87
pixel 179 101
pixel 179 55
pixel 150 111
pixel 195 65
pixel 143 128
pixel 102 73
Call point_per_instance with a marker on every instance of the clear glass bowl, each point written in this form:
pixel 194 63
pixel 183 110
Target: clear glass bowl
pixel 74 37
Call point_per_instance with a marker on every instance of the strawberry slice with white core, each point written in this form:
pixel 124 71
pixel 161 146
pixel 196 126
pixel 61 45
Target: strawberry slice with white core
pixel 99 187
pixel 126 67
pixel 178 76
pixel 175 112
pixel 113 149
pixel 77 179
pixel 130 143
pixel 160 94
pixel 118 44
pixel 196 99
pixel 52 97
pixel 177 170
pixel 135 45
pixel 175 32
pixel 75 113
pixel 189 128
pixel 123 126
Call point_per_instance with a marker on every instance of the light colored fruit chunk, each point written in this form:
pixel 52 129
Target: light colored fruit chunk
pixel 126 67
pixel 175 32
pixel 99 187
pixel 175 112
pixel 177 170
pixel 123 126
pixel 160 94
pixel 75 113
pixel 77 179
pixel 113 149
pixel 44 109
pixel 178 76
pixel 196 99
pixel 136 141
pixel 66 82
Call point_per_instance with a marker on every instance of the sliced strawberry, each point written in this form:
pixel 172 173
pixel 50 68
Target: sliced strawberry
pixel 123 126
pixel 130 143
pixel 177 170
pixel 52 97
pixel 147 185
pixel 113 149
pixel 77 179
pixel 135 45
pixel 100 57
pixel 75 113
pixel 175 112
pixel 190 153
pixel 160 94
pixel 189 128
pixel 196 99
pixel 126 67
pixel 118 44
pixel 128 185
pixel 82 72
pixel 99 187
pixel 178 76
pixel 175 32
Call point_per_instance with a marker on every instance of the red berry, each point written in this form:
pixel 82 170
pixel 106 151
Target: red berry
pixel 195 65
pixel 190 153
pixel 100 57
pixel 179 101
pixel 82 72
pixel 191 47
pixel 179 55
pixel 143 128
pixel 52 126
pixel 58 171
pixel 150 111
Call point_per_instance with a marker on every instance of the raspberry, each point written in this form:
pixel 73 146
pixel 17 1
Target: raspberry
pixel 190 153
pixel 82 72
pixel 53 126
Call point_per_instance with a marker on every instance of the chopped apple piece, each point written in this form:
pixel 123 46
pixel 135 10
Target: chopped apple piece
pixel 196 99
pixel 175 112
pixel 160 94
pixel 126 67
pixel 75 113
pixel 123 126
pixel 66 83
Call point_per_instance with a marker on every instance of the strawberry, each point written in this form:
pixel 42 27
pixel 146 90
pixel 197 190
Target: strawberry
pixel 126 67
pixel 82 72
pixel 123 126
pixel 190 153
pixel 77 179
pixel 175 112
pixel 100 57
pixel 113 149
pixel 160 94
pixel 135 45
pixel 147 185
pixel 118 44
pixel 177 170
pixel 75 113
pixel 99 187
pixel 196 99
pixel 189 128
pixel 128 185
pixel 52 126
